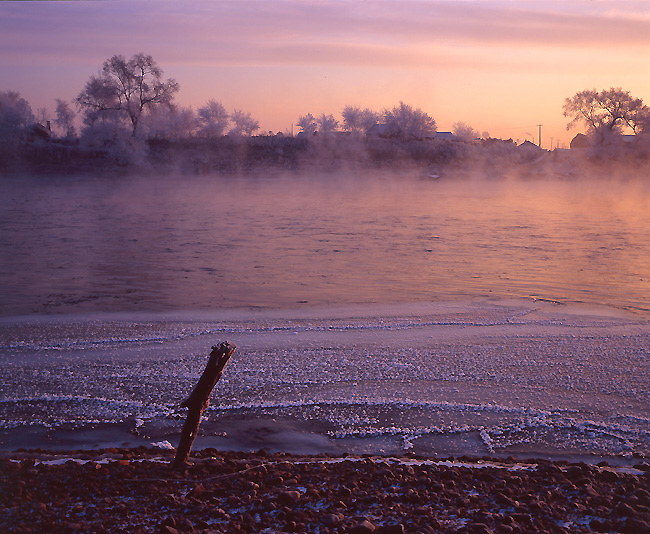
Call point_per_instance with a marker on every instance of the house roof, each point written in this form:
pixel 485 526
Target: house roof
pixel 528 144
pixel 445 135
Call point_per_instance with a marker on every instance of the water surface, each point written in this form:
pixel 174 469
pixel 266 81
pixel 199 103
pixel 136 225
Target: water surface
pixel 212 243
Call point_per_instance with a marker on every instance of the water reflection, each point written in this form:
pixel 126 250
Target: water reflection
pixel 147 244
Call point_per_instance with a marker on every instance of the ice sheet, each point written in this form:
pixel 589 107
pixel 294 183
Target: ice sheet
pixel 483 377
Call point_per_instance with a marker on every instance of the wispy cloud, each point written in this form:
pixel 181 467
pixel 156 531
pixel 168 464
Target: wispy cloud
pixel 347 32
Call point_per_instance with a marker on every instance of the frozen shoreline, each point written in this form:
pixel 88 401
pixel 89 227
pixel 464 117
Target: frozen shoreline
pixel 520 377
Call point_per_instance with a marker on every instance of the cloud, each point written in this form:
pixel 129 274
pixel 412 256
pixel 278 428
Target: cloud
pixel 286 31
pixel 411 33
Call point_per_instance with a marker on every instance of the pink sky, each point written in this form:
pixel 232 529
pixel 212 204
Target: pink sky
pixel 500 66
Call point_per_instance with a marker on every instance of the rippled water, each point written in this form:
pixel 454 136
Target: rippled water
pixel 188 243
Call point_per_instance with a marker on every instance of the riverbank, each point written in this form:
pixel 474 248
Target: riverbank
pixel 135 490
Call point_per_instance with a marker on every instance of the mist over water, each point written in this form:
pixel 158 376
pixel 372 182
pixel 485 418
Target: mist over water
pixel 214 242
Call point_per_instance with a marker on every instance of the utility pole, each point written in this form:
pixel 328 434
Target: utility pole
pixel 540 135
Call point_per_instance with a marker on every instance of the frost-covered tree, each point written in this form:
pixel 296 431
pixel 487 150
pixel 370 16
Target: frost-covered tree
pixel 606 112
pixel 106 131
pixel 126 88
pixel 464 132
pixel 244 124
pixel 307 124
pixel 65 117
pixel 15 118
pixel 169 123
pixel 357 120
pixel 212 119
pixel 405 122
pixel 15 114
pixel 326 124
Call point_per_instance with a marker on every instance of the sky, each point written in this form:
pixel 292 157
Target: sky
pixel 501 66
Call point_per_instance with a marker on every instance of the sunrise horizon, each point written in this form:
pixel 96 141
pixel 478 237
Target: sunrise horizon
pixel 498 68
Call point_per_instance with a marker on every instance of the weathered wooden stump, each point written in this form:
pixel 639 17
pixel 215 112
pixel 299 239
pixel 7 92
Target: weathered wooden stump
pixel 199 399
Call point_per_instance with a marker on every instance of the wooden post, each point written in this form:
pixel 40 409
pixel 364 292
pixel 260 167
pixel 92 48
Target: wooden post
pixel 199 399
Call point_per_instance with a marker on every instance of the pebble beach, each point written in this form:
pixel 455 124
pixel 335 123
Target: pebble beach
pixel 137 491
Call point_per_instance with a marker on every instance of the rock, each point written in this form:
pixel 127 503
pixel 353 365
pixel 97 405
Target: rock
pixel 233 501
pixel 635 526
pixel 391 529
pixel 288 497
pixel 643 496
pixel 364 527
pixel 168 522
pixel 185 525
pixel 505 501
pixel 550 469
pixel 412 496
pixel 625 509
pixel 198 491
pixel 345 493
pixel 573 472
pixel 332 520
pixel 599 526
pixel 522 519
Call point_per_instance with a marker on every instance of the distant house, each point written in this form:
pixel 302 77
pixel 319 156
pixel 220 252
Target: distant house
pixel 530 152
pixel 582 141
pixel 305 135
pixel 447 136
pixel 579 141
pixel 38 131
pixel 527 145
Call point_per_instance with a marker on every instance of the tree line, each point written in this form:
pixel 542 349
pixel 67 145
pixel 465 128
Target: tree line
pixel 132 97
pixel 131 100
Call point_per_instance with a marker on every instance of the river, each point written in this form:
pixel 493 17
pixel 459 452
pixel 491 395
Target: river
pixel 380 312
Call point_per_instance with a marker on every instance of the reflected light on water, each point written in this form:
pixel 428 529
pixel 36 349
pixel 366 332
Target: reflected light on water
pixel 189 243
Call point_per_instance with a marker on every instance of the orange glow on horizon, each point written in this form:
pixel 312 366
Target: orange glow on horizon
pixel 499 68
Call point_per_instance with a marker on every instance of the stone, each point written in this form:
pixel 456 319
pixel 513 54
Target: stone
pixel 198 491
pixel 391 529
pixel 636 526
pixel 332 520
pixel 289 497
pixel 364 527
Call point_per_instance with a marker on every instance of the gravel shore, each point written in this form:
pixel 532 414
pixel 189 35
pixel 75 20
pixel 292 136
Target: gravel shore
pixel 136 490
